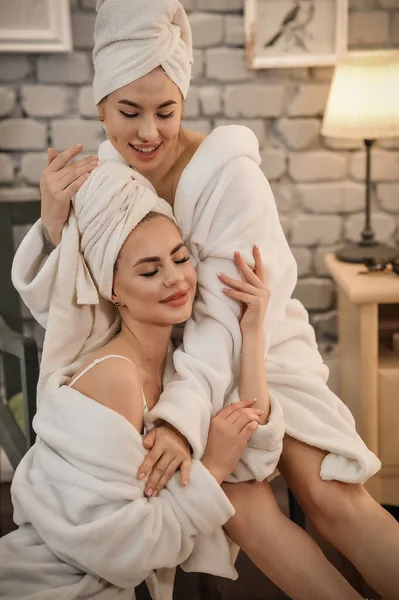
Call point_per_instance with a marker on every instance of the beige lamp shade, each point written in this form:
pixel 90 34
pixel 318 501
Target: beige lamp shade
pixel 364 97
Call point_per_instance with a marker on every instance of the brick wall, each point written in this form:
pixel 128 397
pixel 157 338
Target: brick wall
pixel 318 183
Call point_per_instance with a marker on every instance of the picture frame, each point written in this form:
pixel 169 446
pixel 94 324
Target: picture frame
pixel 295 33
pixel 35 26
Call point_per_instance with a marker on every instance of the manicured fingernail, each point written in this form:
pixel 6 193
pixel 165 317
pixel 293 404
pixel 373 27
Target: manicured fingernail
pixel 142 475
pixel 226 290
pixel 185 482
pixel 79 145
pixel 155 493
pixel 221 274
pixel 260 412
pixel 252 400
pixel 149 492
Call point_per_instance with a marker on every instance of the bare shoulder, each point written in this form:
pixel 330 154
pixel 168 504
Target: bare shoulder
pixel 195 138
pixel 115 383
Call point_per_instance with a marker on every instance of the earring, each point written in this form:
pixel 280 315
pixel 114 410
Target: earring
pixel 117 303
pixel 101 119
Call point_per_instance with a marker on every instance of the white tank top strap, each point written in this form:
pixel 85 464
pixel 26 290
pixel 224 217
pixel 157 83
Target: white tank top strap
pixel 96 361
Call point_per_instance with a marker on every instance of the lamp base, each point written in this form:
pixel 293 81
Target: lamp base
pixel 360 253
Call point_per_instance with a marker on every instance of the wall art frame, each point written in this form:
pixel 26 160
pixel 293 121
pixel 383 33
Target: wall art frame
pixel 39 26
pixel 295 33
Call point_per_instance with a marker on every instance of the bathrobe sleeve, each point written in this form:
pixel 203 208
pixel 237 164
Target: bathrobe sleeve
pixel 237 212
pixel 79 489
pixel 33 273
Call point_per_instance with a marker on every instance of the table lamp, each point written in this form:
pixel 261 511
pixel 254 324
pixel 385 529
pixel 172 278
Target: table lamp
pixel 364 104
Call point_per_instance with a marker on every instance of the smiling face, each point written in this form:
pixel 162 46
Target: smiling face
pixel 154 279
pixel 143 120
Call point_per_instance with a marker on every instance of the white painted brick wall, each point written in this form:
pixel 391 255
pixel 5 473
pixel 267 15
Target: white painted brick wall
pixel 319 165
pixel 367 28
pixel 309 100
pixel 210 99
pixel 227 64
pixel 14 67
pixel 82 29
pixel 22 134
pixel 299 134
pixel 315 294
pixel 44 100
pixel 384 165
pixel 303 258
pixel 343 197
pixel 6 169
pixel 395 28
pixel 32 165
pixel 207 29
pixel 283 191
pixel 66 68
pixel 388 196
pixel 254 101
pixel 234 30
pixel 192 107
pixel 311 230
pixel 274 163
pixel 383 224
pixel 7 101
pixel 67 132
pixel 318 183
pixel 87 107
pixel 219 5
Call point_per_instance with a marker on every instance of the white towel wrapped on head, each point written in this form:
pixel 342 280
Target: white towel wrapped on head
pixel 134 37
pixel 105 210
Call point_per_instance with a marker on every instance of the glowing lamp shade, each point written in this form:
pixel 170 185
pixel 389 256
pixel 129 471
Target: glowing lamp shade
pixel 364 97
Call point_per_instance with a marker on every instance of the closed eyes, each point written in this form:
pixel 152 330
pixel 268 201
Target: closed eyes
pixel 134 115
pixel 177 262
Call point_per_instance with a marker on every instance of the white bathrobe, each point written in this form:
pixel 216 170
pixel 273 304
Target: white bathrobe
pixel 86 528
pixel 224 203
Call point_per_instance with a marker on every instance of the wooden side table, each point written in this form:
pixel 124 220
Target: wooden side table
pixel 369 369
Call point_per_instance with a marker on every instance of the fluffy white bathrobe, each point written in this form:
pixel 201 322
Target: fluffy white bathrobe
pixel 223 204
pixel 86 528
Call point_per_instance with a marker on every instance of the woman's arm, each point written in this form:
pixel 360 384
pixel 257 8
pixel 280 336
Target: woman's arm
pixel 253 295
pixel 33 266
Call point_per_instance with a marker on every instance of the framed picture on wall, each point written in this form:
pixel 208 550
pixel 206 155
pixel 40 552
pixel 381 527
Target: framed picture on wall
pixel 295 33
pixel 35 26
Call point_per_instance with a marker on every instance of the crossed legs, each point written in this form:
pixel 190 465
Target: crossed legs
pixel 280 549
pixel 346 516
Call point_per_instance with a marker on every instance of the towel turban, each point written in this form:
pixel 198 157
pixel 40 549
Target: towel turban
pixel 108 207
pixel 133 37
pixel 81 316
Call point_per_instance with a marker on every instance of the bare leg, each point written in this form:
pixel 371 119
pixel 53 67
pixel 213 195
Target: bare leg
pixel 347 516
pixel 281 549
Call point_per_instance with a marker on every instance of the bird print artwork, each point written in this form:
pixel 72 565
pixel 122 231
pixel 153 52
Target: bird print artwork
pixel 293 30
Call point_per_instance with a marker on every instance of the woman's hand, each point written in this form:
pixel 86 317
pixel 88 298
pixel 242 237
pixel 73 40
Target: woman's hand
pixel 228 436
pixel 59 182
pixel 168 451
pixel 252 291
